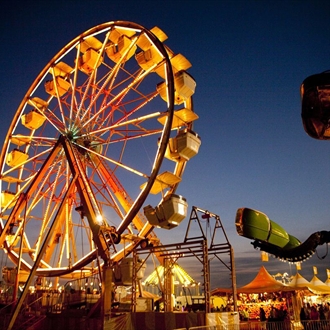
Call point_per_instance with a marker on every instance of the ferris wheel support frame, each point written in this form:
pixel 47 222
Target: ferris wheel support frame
pixel 38 259
pixel 22 200
pixel 89 204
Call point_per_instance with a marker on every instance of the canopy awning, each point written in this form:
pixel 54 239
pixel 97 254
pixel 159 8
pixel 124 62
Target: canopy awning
pixel 315 286
pixel 264 282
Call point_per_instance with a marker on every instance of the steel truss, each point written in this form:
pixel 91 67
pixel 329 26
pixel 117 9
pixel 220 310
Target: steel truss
pixel 192 246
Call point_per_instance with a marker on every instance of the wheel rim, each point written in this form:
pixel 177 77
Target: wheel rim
pixel 92 111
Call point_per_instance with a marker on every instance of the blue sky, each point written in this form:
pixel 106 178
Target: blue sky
pixel 249 59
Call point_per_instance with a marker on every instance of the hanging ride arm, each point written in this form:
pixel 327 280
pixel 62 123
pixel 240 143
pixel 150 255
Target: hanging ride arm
pixel 272 238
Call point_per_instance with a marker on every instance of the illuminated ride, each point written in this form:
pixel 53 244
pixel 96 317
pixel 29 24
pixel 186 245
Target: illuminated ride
pixel 105 128
pixel 268 235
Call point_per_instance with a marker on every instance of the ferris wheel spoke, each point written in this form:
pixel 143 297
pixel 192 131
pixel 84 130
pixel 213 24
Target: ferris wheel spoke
pixel 109 179
pixel 93 70
pixel 50 207
pixel 58 124
pixel 108 81
pixel 119 164
pixel 117 99
pixel 73 104
pixel 56 85
pixel 114 194
pixel 57 239
pixel 112 127
pixel 33 140
pixel 22 163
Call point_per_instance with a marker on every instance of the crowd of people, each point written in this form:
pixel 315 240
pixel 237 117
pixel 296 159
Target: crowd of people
pixel 264 312
pixel 315 312
pixel 272 314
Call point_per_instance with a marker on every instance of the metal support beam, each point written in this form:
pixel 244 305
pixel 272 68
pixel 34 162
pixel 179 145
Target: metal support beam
pixel 197 246
pixel 89 203
pixel 38 259
pixel 206 273
pixel 22 200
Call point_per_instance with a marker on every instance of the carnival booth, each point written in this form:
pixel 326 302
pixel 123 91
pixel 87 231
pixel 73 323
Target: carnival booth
pixel 279 301
pixel 308 293
pixel 265 293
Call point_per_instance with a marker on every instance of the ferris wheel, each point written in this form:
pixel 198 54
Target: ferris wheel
pixel 105 128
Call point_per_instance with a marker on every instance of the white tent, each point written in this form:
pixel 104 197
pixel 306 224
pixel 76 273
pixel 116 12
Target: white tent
pixel 300 283
pixel 321 285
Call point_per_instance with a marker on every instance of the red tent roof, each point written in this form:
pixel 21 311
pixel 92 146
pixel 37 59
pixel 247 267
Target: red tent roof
pixel 263 282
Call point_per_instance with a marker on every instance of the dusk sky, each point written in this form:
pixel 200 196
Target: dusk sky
pixel 249 59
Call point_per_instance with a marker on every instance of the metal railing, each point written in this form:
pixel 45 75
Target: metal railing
pixel 316 325
pixel 5 314
pixel 282 325
pixel 26 314
pixel 217 327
